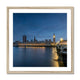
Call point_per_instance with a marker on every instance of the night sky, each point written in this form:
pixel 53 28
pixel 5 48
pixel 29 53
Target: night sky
pixel 40 25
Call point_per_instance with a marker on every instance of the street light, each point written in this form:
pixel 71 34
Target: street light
pixel 61 39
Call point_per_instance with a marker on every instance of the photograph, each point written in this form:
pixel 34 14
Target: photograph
pixel 40 40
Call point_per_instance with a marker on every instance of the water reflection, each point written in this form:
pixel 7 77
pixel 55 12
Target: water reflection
pixel 35 57
pixel 56 62
pixel 54 58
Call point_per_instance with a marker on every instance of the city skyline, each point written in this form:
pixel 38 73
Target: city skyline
pixel 40 25
pixel 25 40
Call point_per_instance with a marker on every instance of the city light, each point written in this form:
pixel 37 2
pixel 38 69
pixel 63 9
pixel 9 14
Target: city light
pixel 61 39
pixel 57 42
pixel 53 36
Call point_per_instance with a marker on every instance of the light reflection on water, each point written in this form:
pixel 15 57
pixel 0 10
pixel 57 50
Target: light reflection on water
pixel 35 57
pixel 54 58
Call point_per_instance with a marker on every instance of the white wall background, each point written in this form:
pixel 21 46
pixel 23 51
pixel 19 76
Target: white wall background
pixel 3 39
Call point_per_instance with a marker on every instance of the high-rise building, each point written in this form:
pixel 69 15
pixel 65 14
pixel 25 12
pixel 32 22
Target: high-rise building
pixel 49 41
pixel 46 41
pixel 24 39
pixel 54 38
pixel 34 39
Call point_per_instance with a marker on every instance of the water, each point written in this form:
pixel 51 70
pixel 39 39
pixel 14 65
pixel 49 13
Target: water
pixel 36 57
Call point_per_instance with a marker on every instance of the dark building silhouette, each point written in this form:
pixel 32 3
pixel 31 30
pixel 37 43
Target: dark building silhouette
pixel 34 39
pixel 46 41
pixel 49 41
pixel 24 39
pixel 31 41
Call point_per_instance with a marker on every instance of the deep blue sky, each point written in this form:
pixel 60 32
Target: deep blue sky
pixel 40 25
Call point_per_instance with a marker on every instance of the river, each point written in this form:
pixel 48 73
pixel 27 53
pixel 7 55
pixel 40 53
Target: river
pixel 36 57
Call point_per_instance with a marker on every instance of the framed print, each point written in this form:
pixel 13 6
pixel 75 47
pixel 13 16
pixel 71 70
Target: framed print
pixel 40 40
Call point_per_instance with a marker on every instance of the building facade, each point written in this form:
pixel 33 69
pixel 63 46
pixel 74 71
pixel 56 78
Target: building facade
pixel 24 38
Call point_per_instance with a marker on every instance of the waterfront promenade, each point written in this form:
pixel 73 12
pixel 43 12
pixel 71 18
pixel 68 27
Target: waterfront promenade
pixel 34 45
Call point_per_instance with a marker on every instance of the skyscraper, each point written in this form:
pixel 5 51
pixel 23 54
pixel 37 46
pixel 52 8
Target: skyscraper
pixel 49 41
pixel 34 39
pixel 24 38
